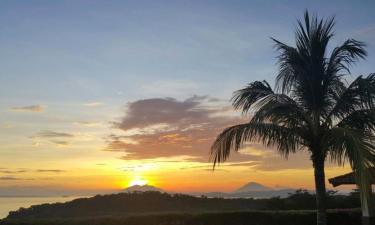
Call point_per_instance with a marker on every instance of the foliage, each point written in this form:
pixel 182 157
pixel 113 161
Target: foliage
pixel 312 107
pixel 222 218
pixel 127 204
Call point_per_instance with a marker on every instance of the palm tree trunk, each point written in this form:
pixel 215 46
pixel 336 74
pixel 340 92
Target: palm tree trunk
pixel 320 188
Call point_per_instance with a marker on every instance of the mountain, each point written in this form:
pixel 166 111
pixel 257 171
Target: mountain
pixel 282 193
pixel 142 188
pixel 250 190
pixel 252 186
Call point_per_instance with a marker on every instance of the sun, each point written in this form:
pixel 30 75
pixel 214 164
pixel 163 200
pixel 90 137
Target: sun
pixel 138 181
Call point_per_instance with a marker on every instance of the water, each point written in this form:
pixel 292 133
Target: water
pixel 8 204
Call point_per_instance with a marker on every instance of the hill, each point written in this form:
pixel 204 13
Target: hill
pixel 139 203
pixel 123 204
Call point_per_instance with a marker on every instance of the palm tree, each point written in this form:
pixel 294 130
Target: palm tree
pixel 312 107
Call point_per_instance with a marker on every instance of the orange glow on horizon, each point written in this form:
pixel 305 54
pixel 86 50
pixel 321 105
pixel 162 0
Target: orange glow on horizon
pixel 138 181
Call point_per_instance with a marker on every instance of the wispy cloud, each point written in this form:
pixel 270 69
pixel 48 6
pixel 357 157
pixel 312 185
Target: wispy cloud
pixel 13 171
pixel 88 123
pixel 50 171
pixel 93 104
pixel 10 178
pixel 58 138
pixel 29 170
pixel 60 143
pixel 53 134
pixel 30 108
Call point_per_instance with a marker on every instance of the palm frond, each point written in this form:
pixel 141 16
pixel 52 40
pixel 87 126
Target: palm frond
pixel 360 94
pixel 357 146
pixel 290 66
pixel 302 68
pixel 344 56
pixel 363 119
pixel 233 138
pixel 244 98
pixel 281 110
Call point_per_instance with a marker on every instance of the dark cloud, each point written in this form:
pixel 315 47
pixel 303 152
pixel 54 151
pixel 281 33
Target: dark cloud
pixel 144 113
pixel 166 127
pixel 30 108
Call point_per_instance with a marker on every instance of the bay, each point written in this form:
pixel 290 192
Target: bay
pixel 8 204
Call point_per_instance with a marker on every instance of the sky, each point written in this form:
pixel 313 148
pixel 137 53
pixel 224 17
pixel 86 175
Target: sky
pixel 99 95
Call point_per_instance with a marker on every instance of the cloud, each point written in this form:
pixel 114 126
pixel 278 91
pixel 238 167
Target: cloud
pixel 88 123
pixel 30 108
pixel 246 164
pixel 169 111
pixel 10 178
pixel 148 112
pixel 26 170
pixel 50 171
pixel 93 104
pixel 12 171
pixel 166 127
pixel 60 143
pixel 58 138
pixel 53 134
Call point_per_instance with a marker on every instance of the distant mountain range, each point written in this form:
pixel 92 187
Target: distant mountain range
pixel 249 190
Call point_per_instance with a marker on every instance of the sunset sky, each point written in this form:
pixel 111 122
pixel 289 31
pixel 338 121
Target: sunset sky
pixel 98 95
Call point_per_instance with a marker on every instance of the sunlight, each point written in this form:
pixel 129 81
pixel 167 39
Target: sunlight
pixel 138 181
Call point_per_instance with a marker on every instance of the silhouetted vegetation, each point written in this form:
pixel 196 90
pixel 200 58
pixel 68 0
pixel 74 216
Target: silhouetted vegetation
pixel 349 217
pixel 312 107
pixel 128 204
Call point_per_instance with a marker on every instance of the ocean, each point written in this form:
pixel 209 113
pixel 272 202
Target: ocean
pixel 8 204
